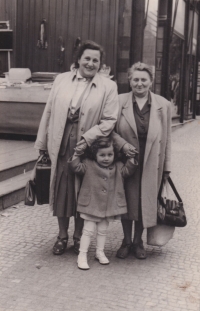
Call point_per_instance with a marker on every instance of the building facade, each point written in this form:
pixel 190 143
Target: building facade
pixel 162 33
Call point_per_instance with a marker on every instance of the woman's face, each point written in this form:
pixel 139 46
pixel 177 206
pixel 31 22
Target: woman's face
pixel 140 83
pixel 89 63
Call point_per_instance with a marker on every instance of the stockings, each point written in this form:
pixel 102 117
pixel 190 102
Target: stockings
pixel 88 231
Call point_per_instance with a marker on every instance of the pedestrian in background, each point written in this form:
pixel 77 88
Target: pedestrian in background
pixel 82 106
pixel 145 122
pixel 101 195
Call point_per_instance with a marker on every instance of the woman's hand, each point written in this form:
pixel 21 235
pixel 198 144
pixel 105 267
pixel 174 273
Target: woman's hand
pixel 80 147
pixel 129 150
pixel 41 152
pixel 166 175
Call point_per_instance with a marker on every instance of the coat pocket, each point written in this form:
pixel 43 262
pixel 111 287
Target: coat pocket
pixel 121 200
pixel 84 197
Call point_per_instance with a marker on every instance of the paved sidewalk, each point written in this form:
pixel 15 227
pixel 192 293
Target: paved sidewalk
pixel 33 279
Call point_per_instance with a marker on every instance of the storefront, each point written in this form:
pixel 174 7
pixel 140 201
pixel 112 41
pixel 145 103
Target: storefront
pixel 162 33
pixel 169 45
pixel 176 66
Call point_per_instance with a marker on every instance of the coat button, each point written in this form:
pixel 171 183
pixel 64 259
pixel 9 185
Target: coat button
pixel 104 190
pixel 104 178
pixel 82 129
pixel 71 135
pixel 82 113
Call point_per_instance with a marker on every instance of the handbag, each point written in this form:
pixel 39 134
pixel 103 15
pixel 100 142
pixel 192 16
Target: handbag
pixel 30 189
pixel 30 193
pixel 159 235
pixel 170 212
pixel 42 179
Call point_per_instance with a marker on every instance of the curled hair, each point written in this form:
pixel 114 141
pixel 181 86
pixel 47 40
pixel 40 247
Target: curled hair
pixel 103 142
pixel 88 45
pixel 140 67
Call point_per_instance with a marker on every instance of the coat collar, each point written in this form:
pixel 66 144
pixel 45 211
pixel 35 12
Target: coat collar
pixel 75 73
pixel 154 125
pixel 127 111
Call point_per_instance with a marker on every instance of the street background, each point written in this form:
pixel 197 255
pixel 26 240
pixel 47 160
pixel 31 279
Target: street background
pixel 33 279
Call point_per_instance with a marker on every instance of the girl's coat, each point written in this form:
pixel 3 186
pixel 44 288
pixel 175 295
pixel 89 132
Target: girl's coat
pixel 102 190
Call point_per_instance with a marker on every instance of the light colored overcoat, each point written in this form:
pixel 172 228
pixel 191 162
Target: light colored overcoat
pixel 98 115
pixel 157 154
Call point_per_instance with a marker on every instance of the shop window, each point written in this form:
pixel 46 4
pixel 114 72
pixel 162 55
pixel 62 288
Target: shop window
pixel 178 13
pixel 150 31
pixel 191 61
pixel 176 52
pixel 159 60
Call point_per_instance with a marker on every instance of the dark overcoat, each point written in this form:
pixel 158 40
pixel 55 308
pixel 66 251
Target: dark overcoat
pixel 157 154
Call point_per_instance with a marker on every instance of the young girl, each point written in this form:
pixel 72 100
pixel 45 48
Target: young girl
pixel 101 195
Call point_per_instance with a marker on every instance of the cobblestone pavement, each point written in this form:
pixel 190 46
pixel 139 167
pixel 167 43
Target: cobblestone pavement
pixel 33 279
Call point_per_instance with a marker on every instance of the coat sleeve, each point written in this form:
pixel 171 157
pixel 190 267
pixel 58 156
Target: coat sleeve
pixel 118 141
pixel 77 166
pixel 167 161
pixel 108 117
pixel 129 168
pixel 41 141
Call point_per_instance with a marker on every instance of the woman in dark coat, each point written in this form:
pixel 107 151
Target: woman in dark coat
pixel 144 122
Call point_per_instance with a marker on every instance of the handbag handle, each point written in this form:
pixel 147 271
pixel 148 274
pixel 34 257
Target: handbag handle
pixel 173 188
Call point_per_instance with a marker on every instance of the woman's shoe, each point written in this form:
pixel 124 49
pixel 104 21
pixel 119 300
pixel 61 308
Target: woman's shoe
pixel 124 250
pixel 82 261
pixel 139 250
pixel 60 246
pixel 101 257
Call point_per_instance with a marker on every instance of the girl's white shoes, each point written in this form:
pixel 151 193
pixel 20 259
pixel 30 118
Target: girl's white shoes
pixel 101 257
pixel 82 261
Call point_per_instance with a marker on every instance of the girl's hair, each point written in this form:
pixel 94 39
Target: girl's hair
pixel 100 143
pixel 88 45
pixel 140 67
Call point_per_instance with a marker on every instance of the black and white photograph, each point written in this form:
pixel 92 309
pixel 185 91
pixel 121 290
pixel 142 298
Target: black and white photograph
pixel 99 155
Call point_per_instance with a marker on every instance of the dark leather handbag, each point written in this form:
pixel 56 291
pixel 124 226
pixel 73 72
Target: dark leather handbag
pixel 170 212
pixel 30 193
pixel 42 179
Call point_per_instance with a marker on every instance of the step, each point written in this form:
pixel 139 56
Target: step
pixel 16 157
pixel 12 190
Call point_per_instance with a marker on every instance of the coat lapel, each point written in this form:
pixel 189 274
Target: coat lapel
pixel 127 111
pixel 154 125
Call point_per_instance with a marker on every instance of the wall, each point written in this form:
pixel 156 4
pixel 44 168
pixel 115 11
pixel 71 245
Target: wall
pixel 89 19
pixel 8 12
pixel 124 44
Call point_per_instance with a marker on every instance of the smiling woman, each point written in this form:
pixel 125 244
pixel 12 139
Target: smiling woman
pixel 82 106
pixel 89 63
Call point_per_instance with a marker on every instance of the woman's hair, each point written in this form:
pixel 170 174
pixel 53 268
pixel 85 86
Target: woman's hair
pixel 103 142
pixel 140 67
pixel 88 45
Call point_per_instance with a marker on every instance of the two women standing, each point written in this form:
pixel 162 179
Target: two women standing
pixel 82 108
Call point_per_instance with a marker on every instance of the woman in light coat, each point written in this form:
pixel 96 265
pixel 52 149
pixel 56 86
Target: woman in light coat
pixel 82 106
pixel 144 122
